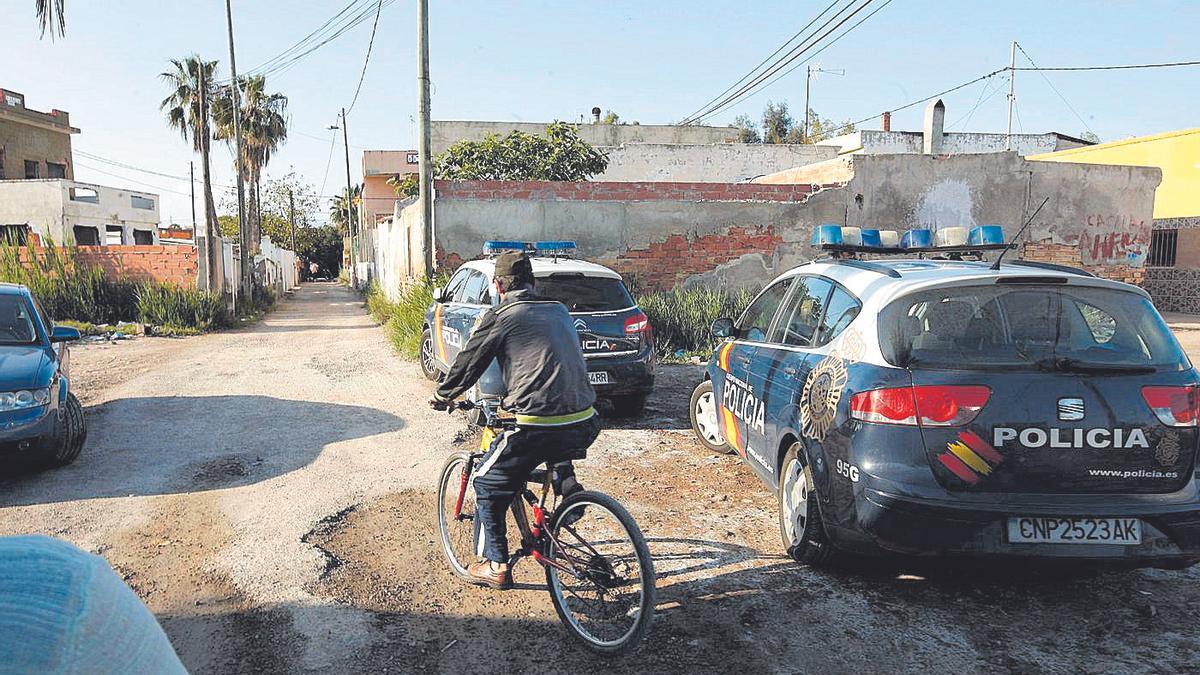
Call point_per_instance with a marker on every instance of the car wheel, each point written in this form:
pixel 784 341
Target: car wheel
pixel 703 415
pixel 428 362
pixel 800 523
pixel 628 406
pixel 74 433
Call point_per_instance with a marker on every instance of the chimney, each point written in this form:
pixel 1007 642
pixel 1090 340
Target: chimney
pixel 933 132
pixel 887 121
pixel 596 115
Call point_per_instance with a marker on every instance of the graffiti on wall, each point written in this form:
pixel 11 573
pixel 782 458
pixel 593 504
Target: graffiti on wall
pixel 1114 240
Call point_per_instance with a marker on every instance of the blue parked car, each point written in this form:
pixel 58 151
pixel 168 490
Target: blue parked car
pixel 615 336
pixel 40 419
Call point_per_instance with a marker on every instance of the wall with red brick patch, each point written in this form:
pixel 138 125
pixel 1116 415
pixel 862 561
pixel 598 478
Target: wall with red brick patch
pixel 664 265
pixel 1072 256
pixel 169 264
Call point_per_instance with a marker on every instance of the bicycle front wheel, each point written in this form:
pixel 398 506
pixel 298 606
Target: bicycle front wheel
pixel 458 533
pixel 607 598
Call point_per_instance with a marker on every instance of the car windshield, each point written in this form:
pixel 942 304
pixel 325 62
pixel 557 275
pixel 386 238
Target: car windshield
pixel 16 326
pixel 585 294
pixel 1066 328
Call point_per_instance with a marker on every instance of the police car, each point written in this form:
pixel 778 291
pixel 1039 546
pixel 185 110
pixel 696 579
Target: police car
pixel 614 335
pixel 953 406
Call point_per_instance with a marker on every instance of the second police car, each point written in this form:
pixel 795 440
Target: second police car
pixel 614 335
pixel 935 407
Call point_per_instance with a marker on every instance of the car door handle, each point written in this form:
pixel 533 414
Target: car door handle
pixel 790 372
pixel 744 360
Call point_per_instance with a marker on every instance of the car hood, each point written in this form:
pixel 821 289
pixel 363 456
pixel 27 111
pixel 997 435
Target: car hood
pixel 21 367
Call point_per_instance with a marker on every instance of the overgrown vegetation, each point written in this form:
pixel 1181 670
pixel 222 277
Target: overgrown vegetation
pixel 70 290
pixel 404 319
pixel 682 318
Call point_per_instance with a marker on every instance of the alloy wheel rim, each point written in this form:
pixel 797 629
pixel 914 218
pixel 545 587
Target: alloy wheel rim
pixel 795 500
pixel 706 419
pixel 427 355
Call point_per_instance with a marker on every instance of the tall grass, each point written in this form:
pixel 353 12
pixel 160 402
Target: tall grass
pixel 68 289
pixel 404 318
pixel 682 317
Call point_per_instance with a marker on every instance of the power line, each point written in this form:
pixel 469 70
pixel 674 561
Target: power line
pixel 131 167
pixel 321 37
pixel 328 162
pixel 923 100
pixel 130 180
pixel 1056 91
pixel 758 83
pixel 370 44
pixel 764 61
pixel 792 54
pixel 979 102
pixel 1172 64
pixel 818 52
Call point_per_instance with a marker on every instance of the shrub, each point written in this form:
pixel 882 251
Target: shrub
pixel 378 305
pixel 67 289
pixel 407 319
pixel 165 305
pixel 682 317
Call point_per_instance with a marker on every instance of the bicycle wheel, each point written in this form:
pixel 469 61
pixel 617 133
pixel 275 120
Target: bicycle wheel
pixel 609 602
pixel 458 535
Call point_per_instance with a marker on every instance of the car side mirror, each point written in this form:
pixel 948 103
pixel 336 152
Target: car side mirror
pixel 439 294
pixel 64 334
pixel 722 328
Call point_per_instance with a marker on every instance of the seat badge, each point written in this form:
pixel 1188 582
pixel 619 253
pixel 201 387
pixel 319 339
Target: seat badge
pixel 1070 409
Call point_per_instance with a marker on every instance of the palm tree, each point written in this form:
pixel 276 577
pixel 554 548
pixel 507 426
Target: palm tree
pixel 339 215
pixel 264 128
pixel 50 16
pixel 187 109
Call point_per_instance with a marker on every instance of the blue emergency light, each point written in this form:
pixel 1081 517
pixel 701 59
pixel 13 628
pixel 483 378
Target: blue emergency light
pixel 870 237
pixel 985 234
pixel 555 246
pixel 827 234
pixel 495 247
pixel 917 238
pixel 950 240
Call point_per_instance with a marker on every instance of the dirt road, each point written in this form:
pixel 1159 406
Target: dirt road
pixel 268 493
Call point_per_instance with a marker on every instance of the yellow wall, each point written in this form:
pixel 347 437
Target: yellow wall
pixel 1177 153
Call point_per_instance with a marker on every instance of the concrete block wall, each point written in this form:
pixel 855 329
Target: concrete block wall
pixel 169 264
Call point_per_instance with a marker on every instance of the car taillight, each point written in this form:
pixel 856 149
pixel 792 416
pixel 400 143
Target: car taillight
pixel 1174 406
pixel 926 405
pixel 638 323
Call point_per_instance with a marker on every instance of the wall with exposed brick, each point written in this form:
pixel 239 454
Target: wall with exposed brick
pixel 1071 256
pixel 169 264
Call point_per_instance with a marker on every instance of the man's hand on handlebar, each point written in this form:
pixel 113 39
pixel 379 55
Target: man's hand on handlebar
pixel 448 405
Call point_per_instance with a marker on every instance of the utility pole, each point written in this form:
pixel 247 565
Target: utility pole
pixel 1012 93
pixel 243 226
pixel 807 91
pixel 423 150
pixel 350 206
pixel 192 173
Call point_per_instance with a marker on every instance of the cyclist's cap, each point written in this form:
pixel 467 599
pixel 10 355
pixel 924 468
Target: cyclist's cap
pixel 513 264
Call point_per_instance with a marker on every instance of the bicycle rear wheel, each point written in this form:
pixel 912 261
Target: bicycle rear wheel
pixel 458 534
pixel 608 602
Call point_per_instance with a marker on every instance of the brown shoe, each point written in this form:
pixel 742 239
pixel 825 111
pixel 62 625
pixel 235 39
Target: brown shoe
pixel 482 574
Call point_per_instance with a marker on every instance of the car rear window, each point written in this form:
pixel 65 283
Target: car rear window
pixel 585 294
pixel 1036 327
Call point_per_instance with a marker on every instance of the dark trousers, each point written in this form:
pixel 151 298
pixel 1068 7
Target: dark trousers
pixel 504 469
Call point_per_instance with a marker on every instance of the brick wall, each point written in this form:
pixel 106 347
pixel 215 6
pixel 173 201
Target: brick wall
pixel 664 265
pixel 1071 255
pixel 619 191
pixel 170 264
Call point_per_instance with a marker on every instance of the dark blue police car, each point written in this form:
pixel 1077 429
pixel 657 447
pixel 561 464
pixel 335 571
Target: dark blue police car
pixel 40 419
pixel 929 407
pixel 614 335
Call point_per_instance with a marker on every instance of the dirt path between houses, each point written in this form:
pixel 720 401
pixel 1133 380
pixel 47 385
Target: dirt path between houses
pixel 268 493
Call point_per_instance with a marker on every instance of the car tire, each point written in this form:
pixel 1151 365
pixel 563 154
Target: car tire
pixel 800 523
pixel 632 405
pixel 702 412
pixel 428 362
pixel 74 433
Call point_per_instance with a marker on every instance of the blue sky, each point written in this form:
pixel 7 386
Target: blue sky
pixel 651 62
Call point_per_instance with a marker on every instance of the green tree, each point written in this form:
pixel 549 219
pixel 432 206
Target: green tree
pixel 824 128
pixel 264 129
pixel 610 117
pixel 559 155
pixel 187 110
pixel 747 130
pixel 340 214
pixel 408 186
pixel 776 122
pixel 50 16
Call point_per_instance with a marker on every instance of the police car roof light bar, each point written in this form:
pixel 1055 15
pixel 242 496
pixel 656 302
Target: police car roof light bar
pixel 853 241
pixel 493 247
pixel 555 249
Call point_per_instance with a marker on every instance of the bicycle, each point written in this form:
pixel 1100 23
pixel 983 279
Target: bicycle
pixel 598 569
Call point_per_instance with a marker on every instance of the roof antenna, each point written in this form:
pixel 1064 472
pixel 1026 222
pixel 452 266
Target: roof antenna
pixel 996 265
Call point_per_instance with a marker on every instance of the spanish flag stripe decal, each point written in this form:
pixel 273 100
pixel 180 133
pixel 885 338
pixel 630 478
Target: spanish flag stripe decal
pixel 969 458
pixel 437 333
pixel 731 429
pixel 724 356
pixel 981 447
pixel 958 468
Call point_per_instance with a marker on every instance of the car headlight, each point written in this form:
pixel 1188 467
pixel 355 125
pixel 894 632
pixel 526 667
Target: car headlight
pixel 25 398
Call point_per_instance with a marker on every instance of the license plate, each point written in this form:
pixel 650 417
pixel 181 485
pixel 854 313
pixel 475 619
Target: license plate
pixel 1122 531
pixel 598 377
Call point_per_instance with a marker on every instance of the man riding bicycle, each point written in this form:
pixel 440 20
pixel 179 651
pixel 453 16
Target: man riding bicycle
pixel 546 383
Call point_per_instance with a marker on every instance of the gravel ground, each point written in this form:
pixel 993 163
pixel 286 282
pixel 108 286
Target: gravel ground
pixel 268 493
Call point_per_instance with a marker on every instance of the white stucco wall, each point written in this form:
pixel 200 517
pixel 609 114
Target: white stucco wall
pixel 445 133
pixel 876 142
pixel 716 163
pixel 47 207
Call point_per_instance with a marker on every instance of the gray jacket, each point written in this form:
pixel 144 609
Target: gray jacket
pixel 535 341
